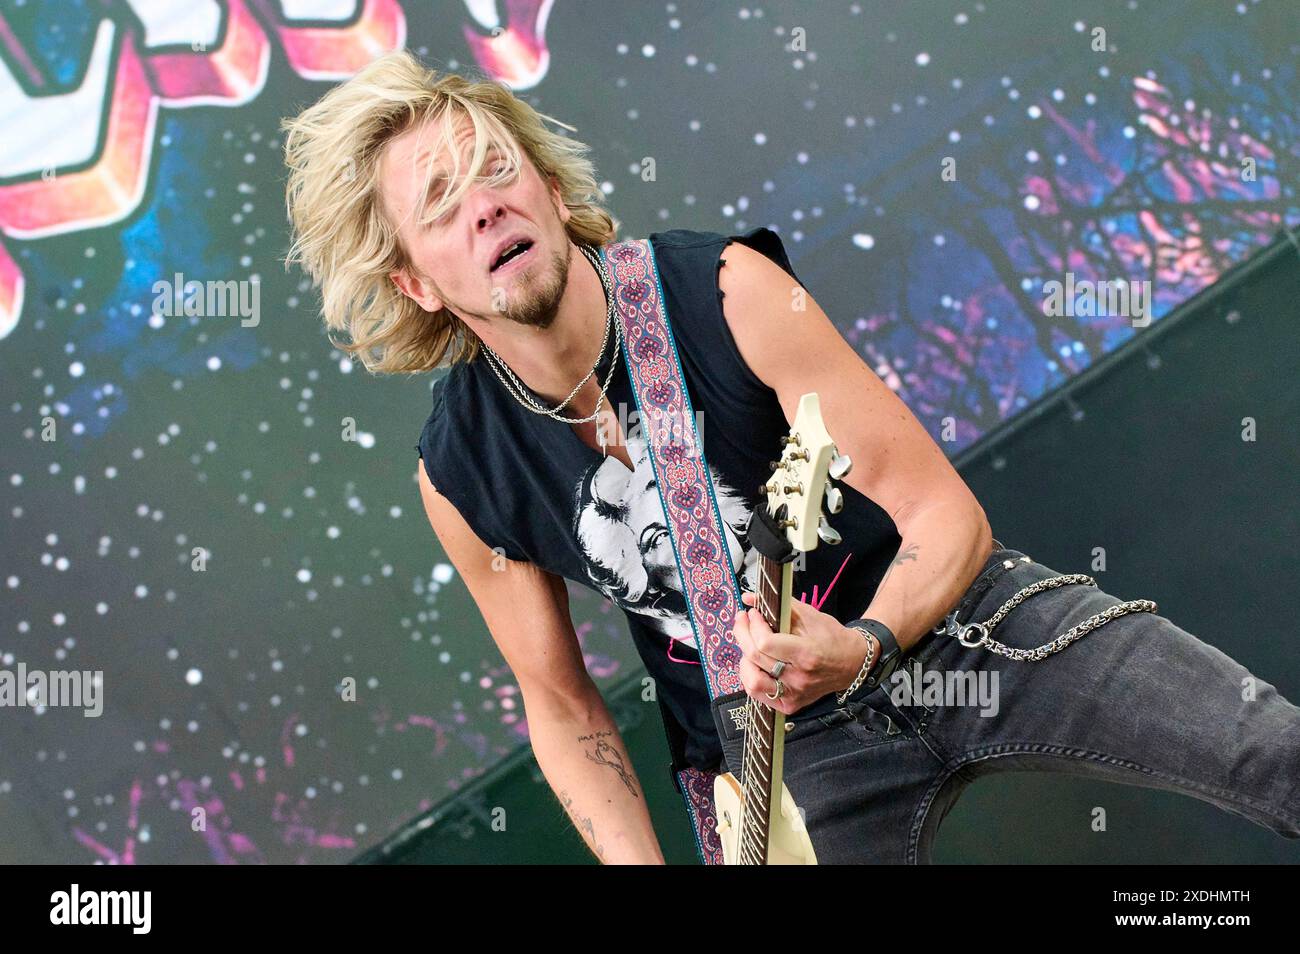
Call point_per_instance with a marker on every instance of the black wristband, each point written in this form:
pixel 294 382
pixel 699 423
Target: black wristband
pixel 890 654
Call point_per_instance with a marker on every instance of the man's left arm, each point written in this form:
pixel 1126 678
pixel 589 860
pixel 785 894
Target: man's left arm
pixel 792 346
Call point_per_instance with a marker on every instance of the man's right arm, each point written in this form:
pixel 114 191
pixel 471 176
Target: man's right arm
pixel 576 742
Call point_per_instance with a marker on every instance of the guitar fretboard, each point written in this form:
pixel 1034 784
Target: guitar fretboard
pixel 760 765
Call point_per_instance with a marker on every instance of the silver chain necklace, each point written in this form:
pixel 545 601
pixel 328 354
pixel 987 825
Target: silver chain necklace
pixel 510 381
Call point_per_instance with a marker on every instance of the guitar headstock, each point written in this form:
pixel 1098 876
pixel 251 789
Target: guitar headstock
pixel 802 480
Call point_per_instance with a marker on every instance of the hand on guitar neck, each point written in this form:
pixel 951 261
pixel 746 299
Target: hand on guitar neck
pixel 820 653
pixel 791 653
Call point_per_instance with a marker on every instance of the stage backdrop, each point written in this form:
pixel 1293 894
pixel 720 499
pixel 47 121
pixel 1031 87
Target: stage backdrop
pixel 183 511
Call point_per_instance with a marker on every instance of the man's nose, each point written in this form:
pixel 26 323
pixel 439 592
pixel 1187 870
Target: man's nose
pixel 487 208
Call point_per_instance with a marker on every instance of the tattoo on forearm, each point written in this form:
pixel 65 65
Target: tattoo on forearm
pixel 582 823
pixel 904 555
pixel 606 754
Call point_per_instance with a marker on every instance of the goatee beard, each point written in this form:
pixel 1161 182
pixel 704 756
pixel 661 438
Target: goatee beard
pixel 538 307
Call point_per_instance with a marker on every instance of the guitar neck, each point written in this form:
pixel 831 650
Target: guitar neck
pixel 758 822
pixel 764 727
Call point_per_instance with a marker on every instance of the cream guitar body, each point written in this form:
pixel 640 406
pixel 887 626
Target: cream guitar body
pixel 758 820
pixel 788 842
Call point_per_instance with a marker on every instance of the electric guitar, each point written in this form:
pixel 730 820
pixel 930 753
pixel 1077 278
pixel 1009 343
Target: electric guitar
pixel 758 821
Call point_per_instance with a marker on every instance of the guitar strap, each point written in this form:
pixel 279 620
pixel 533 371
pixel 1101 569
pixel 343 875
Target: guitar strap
pixel 692 517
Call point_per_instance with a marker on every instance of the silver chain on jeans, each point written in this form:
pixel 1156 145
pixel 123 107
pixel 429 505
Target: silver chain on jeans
pixel 960 632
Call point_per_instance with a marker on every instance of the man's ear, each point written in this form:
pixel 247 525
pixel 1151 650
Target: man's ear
pixel 417 289
pixel 561 208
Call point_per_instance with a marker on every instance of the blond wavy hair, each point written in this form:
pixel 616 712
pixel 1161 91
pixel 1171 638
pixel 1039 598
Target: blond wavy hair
pixel 340 234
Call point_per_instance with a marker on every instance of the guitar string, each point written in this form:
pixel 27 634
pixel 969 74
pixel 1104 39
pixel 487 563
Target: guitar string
pixel 753 830
pixel 761 820
pixel 749 824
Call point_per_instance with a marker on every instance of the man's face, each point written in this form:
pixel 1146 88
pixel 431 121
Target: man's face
pixel 453 261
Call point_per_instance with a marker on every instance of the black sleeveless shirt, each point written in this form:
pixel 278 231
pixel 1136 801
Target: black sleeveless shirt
pixel 527 484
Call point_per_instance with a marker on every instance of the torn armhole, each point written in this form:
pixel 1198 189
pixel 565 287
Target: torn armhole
pixel 428 470
pixel 753 383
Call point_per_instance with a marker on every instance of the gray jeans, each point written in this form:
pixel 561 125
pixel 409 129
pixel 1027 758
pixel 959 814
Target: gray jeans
pixel 1138 701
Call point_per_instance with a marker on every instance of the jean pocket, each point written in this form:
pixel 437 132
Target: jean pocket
pixel 798 730
pixel 867 725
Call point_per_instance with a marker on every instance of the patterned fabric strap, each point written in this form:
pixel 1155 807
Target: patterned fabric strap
pixel 686 493
pixel 697 788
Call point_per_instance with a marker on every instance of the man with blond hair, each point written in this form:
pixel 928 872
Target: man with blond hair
pixel 447 226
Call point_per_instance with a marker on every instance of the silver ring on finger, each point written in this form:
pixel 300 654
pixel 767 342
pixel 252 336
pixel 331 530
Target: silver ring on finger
pixel 780 691
pixel 778 669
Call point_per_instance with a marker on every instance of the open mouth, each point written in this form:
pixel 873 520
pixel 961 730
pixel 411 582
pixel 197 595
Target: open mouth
pixel 511 255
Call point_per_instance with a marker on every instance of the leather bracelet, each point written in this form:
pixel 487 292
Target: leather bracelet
pixel 862 673
pixel 889 657
pixel 890 652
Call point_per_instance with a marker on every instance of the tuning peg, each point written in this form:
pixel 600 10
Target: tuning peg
pixel 828 533
pixel 834 499
pixel 840 465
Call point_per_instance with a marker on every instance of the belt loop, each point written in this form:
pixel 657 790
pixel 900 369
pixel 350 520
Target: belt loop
pixel 983 583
